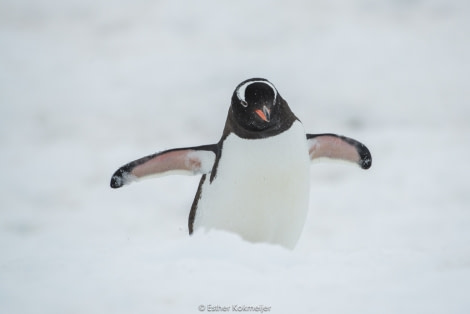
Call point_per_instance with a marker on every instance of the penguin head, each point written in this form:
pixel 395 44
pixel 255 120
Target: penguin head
pixel 256 105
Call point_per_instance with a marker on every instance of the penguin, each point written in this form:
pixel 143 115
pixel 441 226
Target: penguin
pixel 255 180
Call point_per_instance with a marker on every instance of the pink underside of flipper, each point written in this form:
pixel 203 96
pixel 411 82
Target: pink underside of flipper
pixel 171 161
pixel 332 147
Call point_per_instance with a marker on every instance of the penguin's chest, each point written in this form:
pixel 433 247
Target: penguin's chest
pixel 261 189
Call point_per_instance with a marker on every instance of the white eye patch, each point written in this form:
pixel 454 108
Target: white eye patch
pixel 241 90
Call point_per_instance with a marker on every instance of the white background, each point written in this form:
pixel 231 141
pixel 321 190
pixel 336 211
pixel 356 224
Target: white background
pixel 86 86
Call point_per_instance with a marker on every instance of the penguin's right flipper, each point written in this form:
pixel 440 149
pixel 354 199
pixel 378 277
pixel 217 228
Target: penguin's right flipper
pixel 189 160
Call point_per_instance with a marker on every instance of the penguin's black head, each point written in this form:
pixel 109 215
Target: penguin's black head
pixel 256 105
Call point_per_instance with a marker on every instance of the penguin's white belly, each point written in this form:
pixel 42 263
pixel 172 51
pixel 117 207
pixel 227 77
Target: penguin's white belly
pixel 261 188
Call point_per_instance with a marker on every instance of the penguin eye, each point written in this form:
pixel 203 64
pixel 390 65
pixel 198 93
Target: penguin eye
pixel 244 103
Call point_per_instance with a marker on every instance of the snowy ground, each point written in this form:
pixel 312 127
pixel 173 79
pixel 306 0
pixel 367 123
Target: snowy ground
pixel 86 86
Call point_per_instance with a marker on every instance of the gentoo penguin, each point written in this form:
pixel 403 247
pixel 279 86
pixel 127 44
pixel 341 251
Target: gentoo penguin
pixel 255 180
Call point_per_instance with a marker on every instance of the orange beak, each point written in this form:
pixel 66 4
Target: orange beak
pixel 264 114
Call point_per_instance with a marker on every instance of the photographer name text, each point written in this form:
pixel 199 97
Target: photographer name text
pixel 234 308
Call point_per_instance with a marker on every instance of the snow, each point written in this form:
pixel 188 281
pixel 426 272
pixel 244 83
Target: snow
pixel 87 86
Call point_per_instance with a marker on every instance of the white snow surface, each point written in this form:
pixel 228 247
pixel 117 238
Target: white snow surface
pixel 86 86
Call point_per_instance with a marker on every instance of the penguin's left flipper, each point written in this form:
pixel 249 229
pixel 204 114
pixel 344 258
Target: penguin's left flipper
pixel 338 147
pixel 189 160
